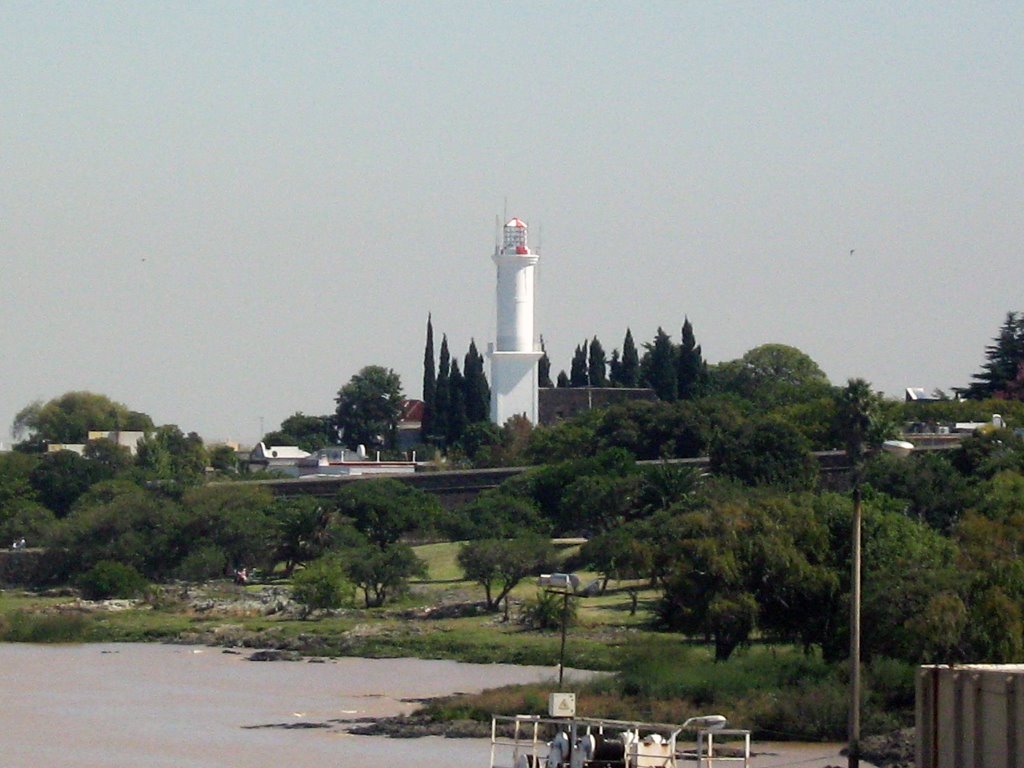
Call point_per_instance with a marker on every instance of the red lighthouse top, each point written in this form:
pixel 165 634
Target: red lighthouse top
pixel 515 237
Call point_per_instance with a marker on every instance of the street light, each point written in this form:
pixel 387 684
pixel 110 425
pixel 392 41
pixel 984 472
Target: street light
pixel 900 449
pixel 564 584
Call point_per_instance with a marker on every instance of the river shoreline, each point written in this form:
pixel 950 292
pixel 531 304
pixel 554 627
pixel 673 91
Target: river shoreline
pixel 212 706
pixel 266 621
pixel 113 705
pixel 893 750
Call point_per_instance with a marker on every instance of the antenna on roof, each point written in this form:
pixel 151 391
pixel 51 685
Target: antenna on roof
pixel 506 207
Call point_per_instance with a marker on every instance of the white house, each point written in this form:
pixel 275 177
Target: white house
pixel 336 461
pixel 282 459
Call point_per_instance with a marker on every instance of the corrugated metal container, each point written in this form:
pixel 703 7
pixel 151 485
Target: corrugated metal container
pixel 970 716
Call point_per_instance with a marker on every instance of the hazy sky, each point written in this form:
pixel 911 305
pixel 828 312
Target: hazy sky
pixel 219 212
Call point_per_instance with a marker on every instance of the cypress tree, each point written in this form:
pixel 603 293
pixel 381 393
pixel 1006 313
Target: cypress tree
pixel 690 368
pixel 456 421
pixel 596 364
pixel 630 370
pixel 578 374
pixel 660 366
pixel 615 369
pixel 429 381
pixel 544 367
pixel 442 394
pixel 563 380
pixel 477 392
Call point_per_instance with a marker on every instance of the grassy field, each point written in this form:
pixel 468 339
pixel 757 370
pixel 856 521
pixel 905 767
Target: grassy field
pixel 442 565
pixel 416 624
pixel 610 609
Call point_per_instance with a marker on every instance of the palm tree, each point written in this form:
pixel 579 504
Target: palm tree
pixel 864 426
pixel 301 533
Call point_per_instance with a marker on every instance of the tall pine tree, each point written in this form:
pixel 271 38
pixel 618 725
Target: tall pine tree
pixel 691 370
pixel 442 394
pixel 456 421
pixel 429 382
pixel 615 369
pixel 477 392
pixel 1001 374
pixel 597 366
pixel 659 367
pixel 629 373
pixel 578 374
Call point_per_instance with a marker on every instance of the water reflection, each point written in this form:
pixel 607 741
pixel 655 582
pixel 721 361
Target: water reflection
pixel 88 706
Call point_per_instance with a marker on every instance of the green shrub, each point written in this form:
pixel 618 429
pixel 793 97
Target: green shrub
pixel 27 627
pixel 207 562
pixel 815 712
pixel 653 671
pixel 673 670
pixel 322 585
pixel 545 611
pixel 108 579
pixel 891 683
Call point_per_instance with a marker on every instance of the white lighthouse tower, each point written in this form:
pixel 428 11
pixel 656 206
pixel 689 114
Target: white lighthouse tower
pixel 514 356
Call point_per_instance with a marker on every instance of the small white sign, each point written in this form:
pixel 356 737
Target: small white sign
pixel 562 705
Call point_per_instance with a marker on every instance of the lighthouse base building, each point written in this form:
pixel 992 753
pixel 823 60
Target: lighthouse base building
pixel 514 355
pixel 513 385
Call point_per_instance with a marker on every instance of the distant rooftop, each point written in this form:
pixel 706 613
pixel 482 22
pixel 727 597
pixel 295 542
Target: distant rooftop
pixel 921 395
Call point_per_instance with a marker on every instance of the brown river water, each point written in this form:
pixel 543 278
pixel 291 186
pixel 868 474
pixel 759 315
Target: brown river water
pixel 121 705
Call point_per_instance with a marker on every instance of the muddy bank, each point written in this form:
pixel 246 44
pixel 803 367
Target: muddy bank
pixel 233 605
pixel 892 750
pixel 352 642
pixel 416 726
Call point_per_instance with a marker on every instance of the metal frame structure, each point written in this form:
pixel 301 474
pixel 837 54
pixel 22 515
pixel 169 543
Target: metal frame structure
pixel 708 758
pixel 532 734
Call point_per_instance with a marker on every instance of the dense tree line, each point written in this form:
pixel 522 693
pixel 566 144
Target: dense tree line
pixel 673 371
pixel 454 398
pixel 773 405
pixel 757 548
pixel 942 541
pixel 70 417
pixel 729 558
pixel 171 531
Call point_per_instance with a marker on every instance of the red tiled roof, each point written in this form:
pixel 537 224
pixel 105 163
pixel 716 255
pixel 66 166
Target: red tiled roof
pixel 412 410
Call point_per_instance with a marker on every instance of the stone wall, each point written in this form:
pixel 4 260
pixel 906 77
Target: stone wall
pixel 556 404
pixel 452 488
pixel 457 487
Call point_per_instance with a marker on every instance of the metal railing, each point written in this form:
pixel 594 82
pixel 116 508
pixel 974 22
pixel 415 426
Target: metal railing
pixel 644 745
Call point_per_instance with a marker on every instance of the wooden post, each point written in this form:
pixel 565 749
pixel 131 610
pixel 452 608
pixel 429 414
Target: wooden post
pixel 561 653
pixel 853 724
